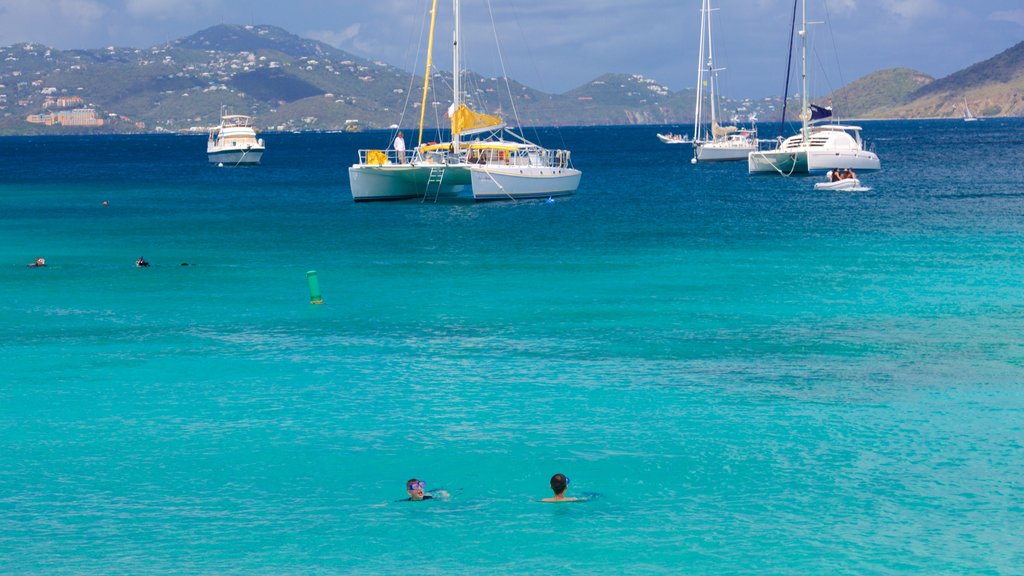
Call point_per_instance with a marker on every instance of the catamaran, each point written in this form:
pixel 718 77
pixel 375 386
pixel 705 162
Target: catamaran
pixel 817 148
pixel 478 157
pixel 712 142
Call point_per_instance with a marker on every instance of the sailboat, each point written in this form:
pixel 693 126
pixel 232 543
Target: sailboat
pixel 818 148
pixel 490 167
pixel 968 116
pixel 712 142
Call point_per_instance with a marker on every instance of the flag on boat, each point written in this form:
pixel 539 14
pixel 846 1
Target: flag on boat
pixel 466 121
pixel 819 112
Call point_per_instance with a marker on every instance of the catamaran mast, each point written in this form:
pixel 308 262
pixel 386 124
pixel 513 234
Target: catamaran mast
pixel 456 71
pixel 805 110
pixel 426 74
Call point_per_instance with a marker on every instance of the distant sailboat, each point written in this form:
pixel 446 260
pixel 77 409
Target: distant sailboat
pixel 817 148
pixel 711 141
pixel 968 116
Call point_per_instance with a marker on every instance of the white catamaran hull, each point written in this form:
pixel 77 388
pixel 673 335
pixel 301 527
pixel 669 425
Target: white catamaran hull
pixel 403 181
pixel 496 183
pixel 804 161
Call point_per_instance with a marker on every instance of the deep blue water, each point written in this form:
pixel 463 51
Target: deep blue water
pixel 757 378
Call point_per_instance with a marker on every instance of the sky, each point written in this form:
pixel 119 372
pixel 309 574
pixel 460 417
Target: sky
pixel 557 45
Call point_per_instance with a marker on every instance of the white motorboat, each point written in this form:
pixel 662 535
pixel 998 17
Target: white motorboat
pixel 234 142
pixel 490 168
pixel 504 170
pixel 816 148
pixel 671 138
pixel 711 141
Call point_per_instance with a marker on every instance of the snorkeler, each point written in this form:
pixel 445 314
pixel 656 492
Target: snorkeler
pixel 559 484
pixel 416 491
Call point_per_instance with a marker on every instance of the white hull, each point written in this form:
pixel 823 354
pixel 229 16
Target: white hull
pixel 848 185
pixel 722 151
pixel 497 183
pixel 808 161
pixel 403 181
pixel 673 139
pixel 236 157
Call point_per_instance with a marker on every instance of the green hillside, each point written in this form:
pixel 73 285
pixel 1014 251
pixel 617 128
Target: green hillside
pixel 877 90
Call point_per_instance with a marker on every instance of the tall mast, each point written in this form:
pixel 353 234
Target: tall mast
pixel 805 111
pixel 426 74
pixel 456 70
pixel 712 75
pixel 700 76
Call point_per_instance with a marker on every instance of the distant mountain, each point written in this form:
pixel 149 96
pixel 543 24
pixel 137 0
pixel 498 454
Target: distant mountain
pixel 993 87
pixel 877 90
pixel 230 38
pixel 1003 68
pixel 291 83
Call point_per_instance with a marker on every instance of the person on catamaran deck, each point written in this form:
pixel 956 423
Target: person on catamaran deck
pixel 400 148
pixel 416 490
pixel 559 484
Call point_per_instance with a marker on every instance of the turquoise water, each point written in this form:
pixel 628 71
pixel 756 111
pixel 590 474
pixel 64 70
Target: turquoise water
pixel 756 378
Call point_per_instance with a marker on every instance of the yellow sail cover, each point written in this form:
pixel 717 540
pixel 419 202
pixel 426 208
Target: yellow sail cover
pixel 465 120
pixel 720 131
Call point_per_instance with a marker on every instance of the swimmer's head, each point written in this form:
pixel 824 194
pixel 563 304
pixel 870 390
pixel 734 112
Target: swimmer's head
pixel 415 488
pixel 559 483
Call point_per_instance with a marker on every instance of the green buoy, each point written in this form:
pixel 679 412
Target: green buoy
pixel 314 288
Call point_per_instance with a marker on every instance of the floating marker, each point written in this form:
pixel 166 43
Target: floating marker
pixel 314 288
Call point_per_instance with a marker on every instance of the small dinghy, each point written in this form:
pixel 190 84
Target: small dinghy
pixel 846 185
pixel 673 138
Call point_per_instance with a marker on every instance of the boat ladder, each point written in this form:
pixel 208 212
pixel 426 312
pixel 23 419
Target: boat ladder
pixel 435 177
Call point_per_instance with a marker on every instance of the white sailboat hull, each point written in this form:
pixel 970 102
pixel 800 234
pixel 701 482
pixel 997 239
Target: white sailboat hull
pixel 722 151
pixel 497 183
pixel 403 181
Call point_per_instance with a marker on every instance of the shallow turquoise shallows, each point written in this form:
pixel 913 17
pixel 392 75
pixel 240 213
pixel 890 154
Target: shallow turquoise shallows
pixel 752 377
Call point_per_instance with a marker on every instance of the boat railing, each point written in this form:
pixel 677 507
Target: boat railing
pixel 383 157
pixel 546 158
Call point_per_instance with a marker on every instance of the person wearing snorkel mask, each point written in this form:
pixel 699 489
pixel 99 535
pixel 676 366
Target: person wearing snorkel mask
pixel 417 491
pixel 559 484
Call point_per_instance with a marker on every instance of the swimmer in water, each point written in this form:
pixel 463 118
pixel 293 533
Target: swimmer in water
pixel 417 492
pixel 559 484
pixel 38 262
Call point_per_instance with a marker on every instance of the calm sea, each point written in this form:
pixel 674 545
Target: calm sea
pixel 752 377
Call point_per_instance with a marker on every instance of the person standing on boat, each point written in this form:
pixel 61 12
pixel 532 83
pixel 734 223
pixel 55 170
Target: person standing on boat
pixel 400 148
